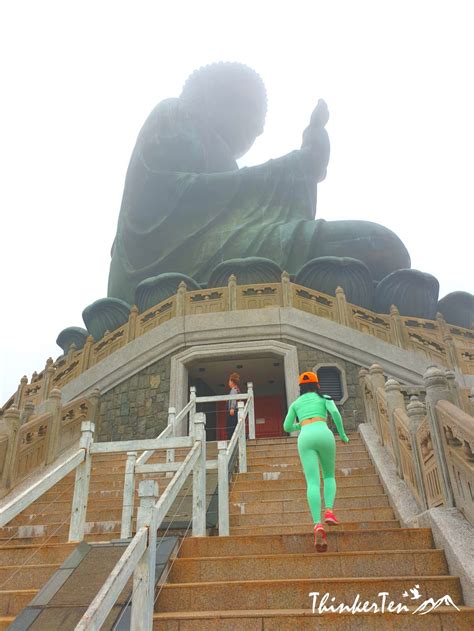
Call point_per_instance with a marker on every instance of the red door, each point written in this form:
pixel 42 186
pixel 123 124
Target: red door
pixel 269 416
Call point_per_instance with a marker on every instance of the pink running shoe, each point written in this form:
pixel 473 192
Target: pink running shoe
pixel 330 518
pixel 320 538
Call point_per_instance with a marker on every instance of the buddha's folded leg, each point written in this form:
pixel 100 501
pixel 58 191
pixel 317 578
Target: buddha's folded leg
pixel 376 246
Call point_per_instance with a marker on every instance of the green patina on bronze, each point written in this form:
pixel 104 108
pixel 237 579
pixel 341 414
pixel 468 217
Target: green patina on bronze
pixel 187 207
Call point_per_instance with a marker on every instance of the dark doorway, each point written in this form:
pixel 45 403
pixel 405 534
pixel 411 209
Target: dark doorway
pixel 267 375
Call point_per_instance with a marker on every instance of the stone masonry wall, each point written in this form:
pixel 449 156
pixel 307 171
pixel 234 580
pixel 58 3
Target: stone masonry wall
pixel 138 407
pixel 352 410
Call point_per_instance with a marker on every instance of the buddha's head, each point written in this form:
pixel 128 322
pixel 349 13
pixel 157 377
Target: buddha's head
pixel 232 99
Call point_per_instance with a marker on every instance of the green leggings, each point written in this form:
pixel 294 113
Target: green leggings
pixel 316 443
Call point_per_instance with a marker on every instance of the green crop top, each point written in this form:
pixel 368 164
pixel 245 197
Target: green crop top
pixel 309 405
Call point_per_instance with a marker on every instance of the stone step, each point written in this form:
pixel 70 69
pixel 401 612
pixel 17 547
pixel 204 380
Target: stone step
pixel 58 529
pixel 294 593
pixel 300 493
pixel 94 504
pixel 298 528
pixel 12 601
pixel 270 450
pixel 301 504
pixel 293 456
pixel 338 541
pixel 304 620
pixel 26 576
pixel 358 466
pixel 329 565
pixel 20 554
pixel 304 516
pixel 294 462
pixel 282 480
pixel 60 538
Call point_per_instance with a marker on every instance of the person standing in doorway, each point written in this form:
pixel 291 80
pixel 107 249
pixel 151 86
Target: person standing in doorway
pixel 232 416
pixel 316 443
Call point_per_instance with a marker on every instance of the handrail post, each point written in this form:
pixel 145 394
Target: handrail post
pixel 128 495
pixel 143 595
pixel 223 487
pixel 251 411
pixel 192 411
pixel 242 443
pixel 199 478
pixel 170 452
pixel 81 486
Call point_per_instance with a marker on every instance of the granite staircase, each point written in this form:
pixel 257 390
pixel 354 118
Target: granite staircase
pixel 34 545
pixel 261 576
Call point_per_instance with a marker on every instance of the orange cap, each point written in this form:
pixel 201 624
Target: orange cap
pixel 308 377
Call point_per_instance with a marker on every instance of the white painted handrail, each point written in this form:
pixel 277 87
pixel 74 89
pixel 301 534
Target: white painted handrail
pixel 36 490
pixel 102 604
pixel 139 557
pixel 169 430
pixel 225 454
pixel 175 442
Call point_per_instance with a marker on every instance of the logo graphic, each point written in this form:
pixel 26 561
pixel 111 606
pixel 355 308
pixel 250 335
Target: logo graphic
pixel 358 606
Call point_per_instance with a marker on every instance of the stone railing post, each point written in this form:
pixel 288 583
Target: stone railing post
pixel 416 412
pixel 232 289
pixel 27 412
pixel 86 353
pixel 223 487
pixel 451 353
pixel 242 442
pixel 341 307
pixel 454 388
pixel 377 380
pixel 132 323
pixel 20 393
pixel 53 406
pixel 143 595
pixel 251 411
pixel 437 389
pixel 363 373
pixel 12 426
pixel 48 375
pixel 287 296
pixel 81 486
pixel 181 299
pixel 128 495
pixel 396 328
pixel 394 400
pixel 199 478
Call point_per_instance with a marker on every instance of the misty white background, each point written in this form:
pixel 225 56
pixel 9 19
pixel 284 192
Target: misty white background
pixel 79 78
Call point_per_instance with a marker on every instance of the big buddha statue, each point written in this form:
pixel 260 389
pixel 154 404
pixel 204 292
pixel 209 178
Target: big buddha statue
pixel 187 207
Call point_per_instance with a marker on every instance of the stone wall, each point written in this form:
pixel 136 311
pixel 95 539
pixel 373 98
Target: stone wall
pixel 352 410
pixel 138 407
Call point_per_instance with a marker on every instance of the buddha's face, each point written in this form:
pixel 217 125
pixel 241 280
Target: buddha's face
pixel 239 126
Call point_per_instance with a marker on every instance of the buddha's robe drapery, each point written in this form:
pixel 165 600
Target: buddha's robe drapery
pixel 187 206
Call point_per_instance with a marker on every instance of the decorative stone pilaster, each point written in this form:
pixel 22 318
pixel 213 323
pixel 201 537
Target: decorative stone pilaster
pixel 416 412
pixel 437 389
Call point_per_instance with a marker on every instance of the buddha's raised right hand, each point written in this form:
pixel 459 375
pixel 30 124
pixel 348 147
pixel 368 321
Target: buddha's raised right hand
pixel 316 139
